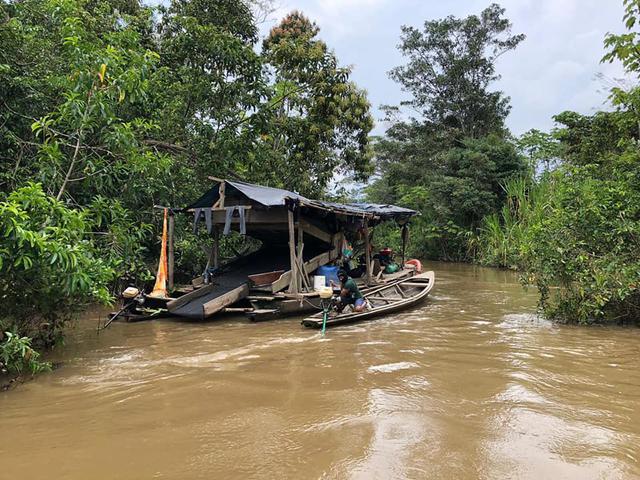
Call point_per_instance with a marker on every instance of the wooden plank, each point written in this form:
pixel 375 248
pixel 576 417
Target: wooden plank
pixel 309 266
pixel 314 231
pixel 381 297
pixel 293 284
pixel 237 309
pixel 414 284
pixel 178 302
pixel 282 283
pixel 266 278
pixel 275 216
pixel 218 303
pixel 300 260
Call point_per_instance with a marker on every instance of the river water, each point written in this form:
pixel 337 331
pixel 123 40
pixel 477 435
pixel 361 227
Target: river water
pixel 471 384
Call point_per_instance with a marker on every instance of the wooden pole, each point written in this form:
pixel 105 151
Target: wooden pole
pixel 221 192
pixel 170 254
pixel 293 285
pixel 367 252
pixel 303 280
pixel 405 237
pixel 216 247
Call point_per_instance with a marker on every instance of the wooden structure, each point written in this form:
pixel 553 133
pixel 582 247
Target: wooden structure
pixel 298 235
pixel 383 300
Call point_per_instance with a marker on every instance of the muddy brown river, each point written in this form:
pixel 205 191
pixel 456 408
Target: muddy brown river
pixel 471 384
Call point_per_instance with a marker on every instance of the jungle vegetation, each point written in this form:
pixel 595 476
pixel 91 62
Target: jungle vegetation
pixel 108 107
pixel 560 207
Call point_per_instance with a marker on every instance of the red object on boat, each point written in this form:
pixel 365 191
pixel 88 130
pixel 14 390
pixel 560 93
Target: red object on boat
pixel 416 263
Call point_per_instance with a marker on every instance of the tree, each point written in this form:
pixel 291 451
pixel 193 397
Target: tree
pixel 575 231
pixel 49 267
pixel 451 65
pixel 450 160
pixel 209 86
pixel 318 120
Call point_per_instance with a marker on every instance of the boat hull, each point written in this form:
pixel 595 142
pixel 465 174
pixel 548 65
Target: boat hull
pixel 418 286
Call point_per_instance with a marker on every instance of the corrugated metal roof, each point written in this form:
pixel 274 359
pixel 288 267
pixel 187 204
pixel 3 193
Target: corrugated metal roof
pixel 274 197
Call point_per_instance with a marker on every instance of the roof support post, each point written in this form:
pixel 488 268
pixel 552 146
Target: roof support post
pixel 216 247
pixel 221 191
pixel 305 283
pixel 293 285
pixel 405 240
pixel 367 252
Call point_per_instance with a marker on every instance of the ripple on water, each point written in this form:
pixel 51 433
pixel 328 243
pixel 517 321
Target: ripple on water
pixel 391 367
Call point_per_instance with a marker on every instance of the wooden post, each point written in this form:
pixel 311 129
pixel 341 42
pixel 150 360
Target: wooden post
pixel 367 252
pixel 405 237
pixel 216 247
pixel 303 283
pixel 170 255
pixel 293 285
pixel 221 191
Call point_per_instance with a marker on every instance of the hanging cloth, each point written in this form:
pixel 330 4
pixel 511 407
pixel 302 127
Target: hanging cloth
pixel 160 288
pixel 227 220
pixel 196 219
pixel 207 219
pixel 243 223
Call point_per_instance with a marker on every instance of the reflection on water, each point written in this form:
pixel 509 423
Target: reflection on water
pixel 471 384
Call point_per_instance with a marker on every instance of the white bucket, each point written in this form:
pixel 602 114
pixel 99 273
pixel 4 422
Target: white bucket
pixel 319 282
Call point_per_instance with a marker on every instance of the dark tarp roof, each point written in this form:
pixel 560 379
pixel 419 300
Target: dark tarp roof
pixel 274 197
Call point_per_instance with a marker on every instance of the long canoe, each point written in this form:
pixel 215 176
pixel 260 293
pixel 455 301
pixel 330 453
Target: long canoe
pixel 383 300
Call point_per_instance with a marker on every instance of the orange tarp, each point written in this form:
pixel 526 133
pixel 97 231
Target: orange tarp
pixel 160 288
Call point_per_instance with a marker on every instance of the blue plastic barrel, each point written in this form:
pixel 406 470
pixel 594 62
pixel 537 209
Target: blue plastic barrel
pixel 330 272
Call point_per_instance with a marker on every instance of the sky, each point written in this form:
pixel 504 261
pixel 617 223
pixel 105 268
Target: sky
pixel 556 68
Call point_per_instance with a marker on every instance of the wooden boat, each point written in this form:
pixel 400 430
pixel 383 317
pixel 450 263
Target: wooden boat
pixel 386 299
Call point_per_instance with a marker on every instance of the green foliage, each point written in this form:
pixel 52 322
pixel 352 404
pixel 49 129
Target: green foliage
pixel 574 233
pixel 541 148
pixel 48 267
pixel 584 253
pixel 450 163
pixel 454 189
pixel 624 47
pixel 504 238
pixel 114 106
pixel 318 121
pixel 451 64
pixel 17 355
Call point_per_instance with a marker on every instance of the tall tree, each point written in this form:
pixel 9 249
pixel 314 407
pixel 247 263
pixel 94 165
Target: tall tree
pixel 209 84
pixel 318 120
pixel 451 66
pixel 450 159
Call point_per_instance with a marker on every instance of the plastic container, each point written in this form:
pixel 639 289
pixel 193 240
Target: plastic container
pixel 392 268
pixel 319 282
pixel 330 272
pixel 326 292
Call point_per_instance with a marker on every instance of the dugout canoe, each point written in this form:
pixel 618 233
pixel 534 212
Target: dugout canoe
pixel 386 299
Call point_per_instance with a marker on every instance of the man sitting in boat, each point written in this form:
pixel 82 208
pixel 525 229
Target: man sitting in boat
pixel 349 294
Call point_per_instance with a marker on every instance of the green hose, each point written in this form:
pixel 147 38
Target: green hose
pixel 325 314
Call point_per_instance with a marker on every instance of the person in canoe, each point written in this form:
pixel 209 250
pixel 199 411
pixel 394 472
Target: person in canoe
pixel 349 293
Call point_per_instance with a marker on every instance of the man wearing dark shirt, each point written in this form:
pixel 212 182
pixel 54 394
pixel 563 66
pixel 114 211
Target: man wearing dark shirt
pixel 350 293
